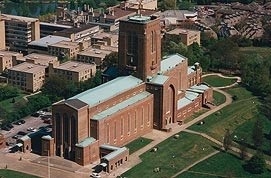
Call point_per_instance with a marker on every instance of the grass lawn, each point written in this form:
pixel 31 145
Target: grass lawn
pixel 5 173
pixel 9 106
pixel 137 144
pixel 172 156
pixel 262 51
pixel 219 98
pixel 217 81
pixel 195 115
pixel 221 165
pixel 231 116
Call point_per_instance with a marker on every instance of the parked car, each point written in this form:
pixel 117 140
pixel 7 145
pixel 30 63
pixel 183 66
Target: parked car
pixel 35 114
pixel 95 175
pixel 18 123
pixel 41 112
pixel 22 121
pixel 15 137
pixel 31 129
pixel 21 133
pixel 10 126
pixel 47 121
pixel 6 128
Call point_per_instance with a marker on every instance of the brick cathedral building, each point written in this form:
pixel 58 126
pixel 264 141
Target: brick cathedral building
pixel 153 93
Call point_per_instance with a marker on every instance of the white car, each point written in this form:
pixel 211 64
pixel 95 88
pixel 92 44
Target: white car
pixel 95 175
pixel 31 129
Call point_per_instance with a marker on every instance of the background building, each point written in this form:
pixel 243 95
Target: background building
pixel 186 36
pixel 27 76
pixel 8 59
pixel 20 31
pixel 2 34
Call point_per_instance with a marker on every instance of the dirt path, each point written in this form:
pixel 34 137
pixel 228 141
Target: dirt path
pixel 222 76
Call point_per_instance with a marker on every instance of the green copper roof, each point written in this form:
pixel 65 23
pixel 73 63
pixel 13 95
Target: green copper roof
pixel 138 18
pixel 117 151
pixel 121 105
pixel 159 79
pixel 86 142
pixel 46 137
pixel 108 90
pixel 170 62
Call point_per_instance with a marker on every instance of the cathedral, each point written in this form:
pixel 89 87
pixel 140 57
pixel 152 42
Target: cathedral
pixel 151 93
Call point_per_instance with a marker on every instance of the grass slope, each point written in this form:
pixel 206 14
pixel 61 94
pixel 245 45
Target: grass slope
pixel 172 156
pixel 137 144
pixel 217 81
pixel 219 98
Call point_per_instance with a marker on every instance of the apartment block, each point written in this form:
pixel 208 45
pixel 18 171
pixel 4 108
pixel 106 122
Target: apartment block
pixel 20 31
pixel 186 36
pixel 95 54
pixel 27 76
pixel 2 34
pixel 74 71
pixel 40 59
pixel 8 59
pixel 41 45
pixel 66 49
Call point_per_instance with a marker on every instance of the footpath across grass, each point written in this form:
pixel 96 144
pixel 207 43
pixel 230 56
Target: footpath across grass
pixel 172 156
pixel 6 173
pixel 137 144
pixel 221 165
pixel 216 81
pixel 230 117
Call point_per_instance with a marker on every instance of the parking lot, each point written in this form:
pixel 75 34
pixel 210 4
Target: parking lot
pixel 31 124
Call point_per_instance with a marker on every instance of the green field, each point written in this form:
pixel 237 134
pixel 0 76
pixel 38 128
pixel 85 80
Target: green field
pixel 231 116
pixel 9 106
pixel 195 115
pixel 216 81
pixel 137 144
pixel 219 98
pixel 221 165
pixel 262 51
pixel 5 173
pixel 172 156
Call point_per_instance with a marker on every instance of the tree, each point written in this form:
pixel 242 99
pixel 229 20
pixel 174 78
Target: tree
pixel 257 134
pixel 167 5
pixel 256 165
pixel 227 142
pixel 243 148
pixel 111 59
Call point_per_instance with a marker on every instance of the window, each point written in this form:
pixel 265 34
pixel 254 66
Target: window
pixel 135 120
pixel 142 116
pixel 115 130
pixel 129 123
pixel 107 133
pixel 121 126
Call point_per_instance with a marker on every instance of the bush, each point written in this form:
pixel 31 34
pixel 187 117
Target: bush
pixel 256 165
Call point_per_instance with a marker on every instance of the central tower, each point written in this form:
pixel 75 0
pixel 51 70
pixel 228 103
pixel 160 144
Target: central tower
pixel 140 46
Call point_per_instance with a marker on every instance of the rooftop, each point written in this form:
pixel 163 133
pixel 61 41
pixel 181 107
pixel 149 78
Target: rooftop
pixel 74 66
pixel 48 40
pixel 138 18
pixel 47 137
pixel 159 79
pixel 41 59
pixel 65 44
pixel 18 18
pixel 74 103
pixel 115 153
pixel 79 29
pixel 108 90
pixel 93 52
pixel 171 62
pixel 121 106
pixel 177 31
pixel 86 142
pixel 28 68
pixel 183 102
pixel 198 88
pixel 190 69
pixel 24 138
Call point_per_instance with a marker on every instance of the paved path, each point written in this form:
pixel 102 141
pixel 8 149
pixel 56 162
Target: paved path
pixel 222 76
pixel 159 136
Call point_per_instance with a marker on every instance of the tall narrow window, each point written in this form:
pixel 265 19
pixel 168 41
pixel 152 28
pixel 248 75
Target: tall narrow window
pixel 107 133
pixel 142 116
pixel 149 113
pixel 121 126
pixel 129 123
pixel 135 120
pixel 115 130
pixel 152 41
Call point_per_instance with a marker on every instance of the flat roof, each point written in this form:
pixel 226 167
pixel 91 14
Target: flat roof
pixel 182 31
pixel 65 44
pixel 108 90
pixel 121 105
pixel 183 102
pixel 55 25
pixel 171 62
pixel 94 52
pixel 28 68
pixel 75 66
pixel 18 18
pixel 191 95
pixel 42 59
pixel 24 138
pixel 79 29
pixel 139 18
pixel 48 40
pixel 159 79
pixel 9 53
pixel 198 88
pixel 86 142
pixel 115 153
